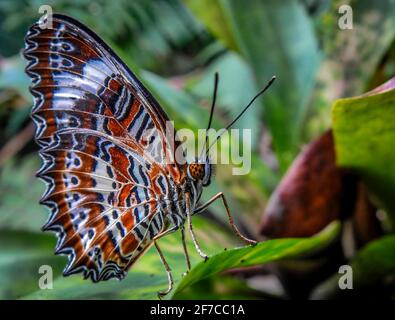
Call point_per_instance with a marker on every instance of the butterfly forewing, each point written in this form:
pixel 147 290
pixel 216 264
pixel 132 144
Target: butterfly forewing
pixel 106 156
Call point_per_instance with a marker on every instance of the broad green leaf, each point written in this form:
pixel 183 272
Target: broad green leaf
pixel 374 261
pixel 364 133
pixel 272 47
pixel 264 252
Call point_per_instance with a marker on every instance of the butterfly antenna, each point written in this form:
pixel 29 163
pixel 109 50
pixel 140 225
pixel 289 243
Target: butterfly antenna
pixel 270 82
pixel 216 78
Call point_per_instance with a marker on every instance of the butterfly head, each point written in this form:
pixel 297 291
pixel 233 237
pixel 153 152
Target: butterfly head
pixel 201 171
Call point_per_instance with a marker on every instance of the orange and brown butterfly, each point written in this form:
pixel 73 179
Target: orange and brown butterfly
pixel 114 186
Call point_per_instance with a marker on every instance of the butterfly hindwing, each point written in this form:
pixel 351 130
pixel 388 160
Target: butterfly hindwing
pixel 101 135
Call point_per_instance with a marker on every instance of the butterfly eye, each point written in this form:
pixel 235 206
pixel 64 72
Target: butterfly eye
pixel 196 171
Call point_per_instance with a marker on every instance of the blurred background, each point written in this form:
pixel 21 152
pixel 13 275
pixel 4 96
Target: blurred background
pixel 316 159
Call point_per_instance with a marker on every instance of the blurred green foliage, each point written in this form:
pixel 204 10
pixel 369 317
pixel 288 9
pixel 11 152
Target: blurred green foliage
pixel 254 29
pixel 175 47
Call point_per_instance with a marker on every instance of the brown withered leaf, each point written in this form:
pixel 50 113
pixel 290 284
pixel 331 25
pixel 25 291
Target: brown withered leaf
pixel 313 193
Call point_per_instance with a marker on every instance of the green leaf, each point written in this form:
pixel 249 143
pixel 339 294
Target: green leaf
pixel 374 261
pixel 264 252
pixel 289 50
pixel 364 133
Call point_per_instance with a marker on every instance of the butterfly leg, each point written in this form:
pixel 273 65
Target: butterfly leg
pixel 230 218
pixel 184 245
pixel 168 270
pixel 189 218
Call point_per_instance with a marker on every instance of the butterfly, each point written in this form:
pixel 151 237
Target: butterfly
pixel 113 184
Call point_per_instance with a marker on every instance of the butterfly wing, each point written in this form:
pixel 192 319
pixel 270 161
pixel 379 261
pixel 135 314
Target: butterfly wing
pixel 106 157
